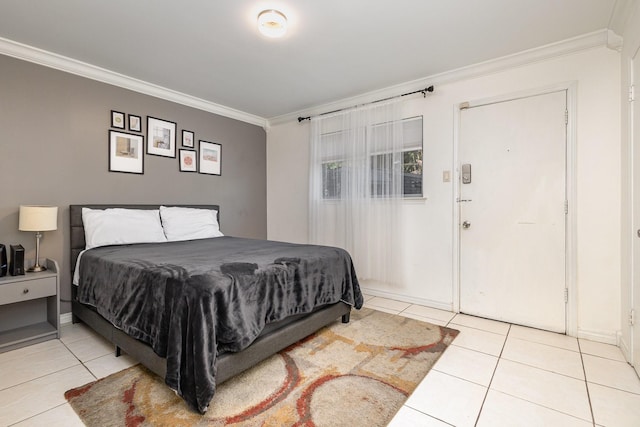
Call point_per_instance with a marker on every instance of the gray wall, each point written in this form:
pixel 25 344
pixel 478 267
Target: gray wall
pixel 54 151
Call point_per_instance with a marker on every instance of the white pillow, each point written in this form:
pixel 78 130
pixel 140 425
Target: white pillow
pixel 118 226
pixel 189 223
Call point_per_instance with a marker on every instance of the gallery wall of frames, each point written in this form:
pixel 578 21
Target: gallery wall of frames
pixel 127 147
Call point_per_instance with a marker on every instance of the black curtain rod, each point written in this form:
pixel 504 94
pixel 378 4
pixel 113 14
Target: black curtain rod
pixel 422 91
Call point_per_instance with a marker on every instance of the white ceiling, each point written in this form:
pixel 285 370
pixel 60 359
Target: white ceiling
pixel 335 49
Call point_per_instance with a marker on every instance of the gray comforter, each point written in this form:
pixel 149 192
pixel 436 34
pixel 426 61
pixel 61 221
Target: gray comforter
pixel 191 301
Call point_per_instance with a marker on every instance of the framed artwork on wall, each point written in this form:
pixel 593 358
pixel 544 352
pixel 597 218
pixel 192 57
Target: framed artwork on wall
pixel 161 137
pixel 187 138
pixel 135 123
pixel 188 161
pixel 210 158
pixel 126 152
pixel 117 119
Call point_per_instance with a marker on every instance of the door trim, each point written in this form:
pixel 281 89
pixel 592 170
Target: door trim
pixel 629 346
pixel 571 312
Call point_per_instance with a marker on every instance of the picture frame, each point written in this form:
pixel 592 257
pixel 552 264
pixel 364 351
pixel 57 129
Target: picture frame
pixel 117 119
pixel 188 160
pixel 188 138
pixel 161 137
pixel 210 161
pixel 126 152
pixel 135 123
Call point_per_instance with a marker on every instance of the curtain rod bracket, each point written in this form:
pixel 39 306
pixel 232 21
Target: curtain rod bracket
pixel 425 90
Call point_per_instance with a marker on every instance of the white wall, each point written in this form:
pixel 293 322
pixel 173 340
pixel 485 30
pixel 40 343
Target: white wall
pixel 429 222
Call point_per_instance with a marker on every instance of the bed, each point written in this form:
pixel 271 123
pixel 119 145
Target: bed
pixel 228 304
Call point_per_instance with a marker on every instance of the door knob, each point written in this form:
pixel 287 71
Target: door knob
pixel 466 225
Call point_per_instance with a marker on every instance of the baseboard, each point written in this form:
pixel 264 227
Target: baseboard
pixel 404 298
pixel 606 337
pixel 65 318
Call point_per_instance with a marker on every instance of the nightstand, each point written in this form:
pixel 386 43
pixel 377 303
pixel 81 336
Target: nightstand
pixel 29 308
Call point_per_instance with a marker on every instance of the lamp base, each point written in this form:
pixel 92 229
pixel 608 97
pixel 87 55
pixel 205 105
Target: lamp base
pixel 36 269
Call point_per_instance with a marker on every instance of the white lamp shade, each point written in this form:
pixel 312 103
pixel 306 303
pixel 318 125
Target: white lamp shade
pixel 38 218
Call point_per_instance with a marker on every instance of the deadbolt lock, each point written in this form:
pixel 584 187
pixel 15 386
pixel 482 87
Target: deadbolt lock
pixel 466 225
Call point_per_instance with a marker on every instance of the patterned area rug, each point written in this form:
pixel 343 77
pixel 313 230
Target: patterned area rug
pixel 358 373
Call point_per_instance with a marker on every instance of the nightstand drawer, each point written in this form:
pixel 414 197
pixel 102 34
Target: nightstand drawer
pixel 28 289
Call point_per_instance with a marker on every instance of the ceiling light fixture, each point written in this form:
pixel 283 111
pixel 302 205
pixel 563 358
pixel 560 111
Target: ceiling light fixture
pixel 272 23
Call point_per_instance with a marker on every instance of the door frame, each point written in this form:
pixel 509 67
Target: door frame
pixel 630 346
pixel 571 312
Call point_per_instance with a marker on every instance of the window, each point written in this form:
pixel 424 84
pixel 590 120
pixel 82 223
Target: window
pixel 412 173
pixel 382 173
pixel 331 179
pixel 382 166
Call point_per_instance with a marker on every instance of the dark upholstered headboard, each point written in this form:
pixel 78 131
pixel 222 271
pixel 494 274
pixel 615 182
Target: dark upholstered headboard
pixel 77 242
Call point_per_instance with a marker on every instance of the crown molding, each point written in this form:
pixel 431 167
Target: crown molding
pixel 553 50
pixel 79 68
pixel 69 65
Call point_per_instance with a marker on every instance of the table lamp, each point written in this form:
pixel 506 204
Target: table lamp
pixel 38 219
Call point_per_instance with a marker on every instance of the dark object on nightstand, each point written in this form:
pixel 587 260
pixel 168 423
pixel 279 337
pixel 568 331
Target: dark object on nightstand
pixel 16 267
pixel 3 260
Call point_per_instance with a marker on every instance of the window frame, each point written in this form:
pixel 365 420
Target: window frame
pixel 372 155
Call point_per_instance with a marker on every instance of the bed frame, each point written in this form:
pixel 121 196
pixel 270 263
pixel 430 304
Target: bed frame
pixel 274 338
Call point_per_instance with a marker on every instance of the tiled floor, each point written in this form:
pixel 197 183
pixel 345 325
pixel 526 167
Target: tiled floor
pixel 497 374
pixel 494 374
pixel 33 379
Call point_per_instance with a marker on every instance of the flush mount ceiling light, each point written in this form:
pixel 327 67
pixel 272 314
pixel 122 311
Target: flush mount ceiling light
pixel 272 23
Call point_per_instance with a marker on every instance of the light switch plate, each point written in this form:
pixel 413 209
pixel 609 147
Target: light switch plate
pixel 446 176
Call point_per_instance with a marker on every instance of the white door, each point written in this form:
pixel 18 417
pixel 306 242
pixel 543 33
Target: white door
pixel 512 212
pixel 635 141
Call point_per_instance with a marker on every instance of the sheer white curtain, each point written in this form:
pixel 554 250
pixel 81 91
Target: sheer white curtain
pixel 356 186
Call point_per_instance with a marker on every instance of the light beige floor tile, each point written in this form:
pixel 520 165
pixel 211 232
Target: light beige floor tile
pixel 34 397
pixel 388 304
pixel 503 410
pixel 478 340
pixel 60 416
pixel 544 337
pixel 611 373
pixel 409 417
pixel 554 359
pixel 449 399
pixel 607 351
pixel 29 350
pixel 423 319
pixel 613 407
pixel 91 347
pixel 467 364
pixel 480 323
pixel 431 313
pixel 554 391
pixel 75 331
pixel 109 364
pixel 28 363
